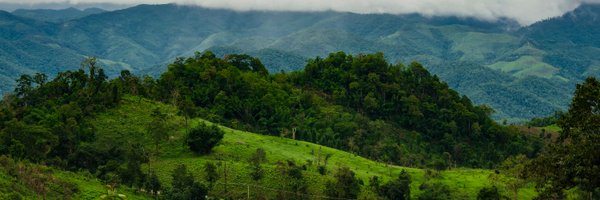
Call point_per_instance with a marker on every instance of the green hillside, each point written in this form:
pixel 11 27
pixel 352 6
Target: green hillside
pixel 143 137
pixel 557 52
pixel 126 124
pixel 31 181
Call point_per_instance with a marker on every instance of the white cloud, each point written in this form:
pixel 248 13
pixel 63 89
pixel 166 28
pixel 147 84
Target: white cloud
pixel 523 11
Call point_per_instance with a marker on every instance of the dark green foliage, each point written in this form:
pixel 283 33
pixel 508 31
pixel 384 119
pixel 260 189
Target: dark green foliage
pixel 435 191
pixel 322 170
pixel 40 180
pixel 184 186
pixel 203 138
pixel 572 160
pixel 488 193
pixel 568 43
pixel 398 188
pixel 158 128
pixel 255 164
pixel 294 181
pixel 52 116
pixel 153 184
pixel 545 121
pixel 375 183
pixel 212 175
pixel 246 63
pixel 362 104
pixel 346 185
pixel 131 173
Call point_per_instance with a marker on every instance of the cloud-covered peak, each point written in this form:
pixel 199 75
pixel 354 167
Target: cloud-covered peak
pixel 524 12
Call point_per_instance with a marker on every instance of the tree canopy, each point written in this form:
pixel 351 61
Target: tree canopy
pixel 574 159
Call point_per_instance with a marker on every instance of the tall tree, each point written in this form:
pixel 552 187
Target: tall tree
pixel 158 128
pixel 574 159
pixel 398 188
pixel 345 185
pixel 255 164
pixel 211 173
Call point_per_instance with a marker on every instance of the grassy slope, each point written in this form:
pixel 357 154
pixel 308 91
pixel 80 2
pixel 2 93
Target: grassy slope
pixel 127 122
pixel 526 66
pixel 88 186
pixel 553 128
pixel 92 188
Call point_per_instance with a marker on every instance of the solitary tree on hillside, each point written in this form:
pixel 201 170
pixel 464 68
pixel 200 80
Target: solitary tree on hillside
pixel 186 108
pixel 203 138
pixel 158 128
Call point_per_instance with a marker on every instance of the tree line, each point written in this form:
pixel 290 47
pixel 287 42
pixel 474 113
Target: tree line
pixel 362 104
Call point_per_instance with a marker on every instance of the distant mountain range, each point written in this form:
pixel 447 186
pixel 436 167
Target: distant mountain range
pixel 57 16
pixel 521 72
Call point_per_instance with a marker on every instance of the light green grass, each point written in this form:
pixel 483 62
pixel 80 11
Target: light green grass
pixel 127 123
pixel 478 46
pixel 526 66
pixel 552 128
pixel 88 187
pixel 91 188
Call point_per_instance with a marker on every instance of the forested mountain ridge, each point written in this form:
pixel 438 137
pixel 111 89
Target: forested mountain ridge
pixel 56 16
pixel 109 129
pixel 521 72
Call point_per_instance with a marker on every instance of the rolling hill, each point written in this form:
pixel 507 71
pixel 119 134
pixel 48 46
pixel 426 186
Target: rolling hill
pixel 126 124
pixel 521 72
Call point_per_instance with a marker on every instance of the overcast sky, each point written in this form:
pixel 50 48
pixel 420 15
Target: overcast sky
pixel 523 11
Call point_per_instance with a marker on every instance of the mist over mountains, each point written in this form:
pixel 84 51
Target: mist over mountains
pixel 521 72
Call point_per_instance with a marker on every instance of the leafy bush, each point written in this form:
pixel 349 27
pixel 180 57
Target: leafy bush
pixel 203 138
pixel 397 189
pixel 488 193
pixel 184 186
pixel 346 185
pixel 435 191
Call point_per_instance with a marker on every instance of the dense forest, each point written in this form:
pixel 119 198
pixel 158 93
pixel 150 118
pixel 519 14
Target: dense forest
pixel 393 113
pixel 511 68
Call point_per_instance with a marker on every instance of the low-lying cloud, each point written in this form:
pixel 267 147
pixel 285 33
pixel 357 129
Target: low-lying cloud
pixel 523 11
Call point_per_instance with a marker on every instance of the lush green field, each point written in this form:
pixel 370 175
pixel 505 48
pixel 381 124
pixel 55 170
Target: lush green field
pixel 87 186
pixel 127 122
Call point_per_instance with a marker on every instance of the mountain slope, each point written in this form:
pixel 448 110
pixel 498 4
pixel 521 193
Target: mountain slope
pixel 56 16
pixel 21 180
pixel 127 122
pixel 553 54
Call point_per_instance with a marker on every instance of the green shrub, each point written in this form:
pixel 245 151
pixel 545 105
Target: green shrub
pixel 397 189
pixel 203 138
pixel 488 193
pixel 435 191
